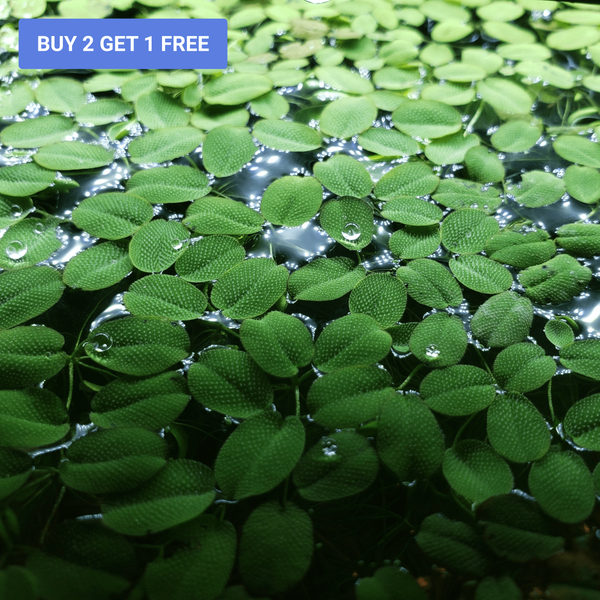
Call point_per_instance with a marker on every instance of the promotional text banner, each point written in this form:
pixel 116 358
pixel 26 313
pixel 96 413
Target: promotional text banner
pixel 123 43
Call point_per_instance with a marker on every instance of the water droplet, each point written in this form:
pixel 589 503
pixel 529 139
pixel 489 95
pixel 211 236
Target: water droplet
pixel 177 244
pixel 432 351
pixel 351 232
pixel 101 342
pixel 39 228
pixel 468 234
pixel 16 250
pixel 15 211
pixel 48 354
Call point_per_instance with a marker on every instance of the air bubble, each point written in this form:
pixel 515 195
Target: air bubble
pixel 351 232
pixel 432 351
pixel 101 342
pixel 16 250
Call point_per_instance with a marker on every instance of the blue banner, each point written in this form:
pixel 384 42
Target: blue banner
pixel 123 43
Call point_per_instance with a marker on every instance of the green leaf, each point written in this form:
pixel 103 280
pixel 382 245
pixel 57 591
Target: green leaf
pixel 426 119
pixel 439 340
pixel 555 281
pixel 204 563
pixel 454 94
pixel 516 429
pixel 483 166
pixel 489 61
pixel 389 583
pixel 516 528
pixel 113 460
pixel 409 440
pixel 398 53
pixel 17 466
pixel 259 455
pixel 151 403
pixel 578 149
pixel 401 335
pixel 430 283
pixel 504 96
pixel 582 183
pixel 520 51
pixel 169 185
pixel 209 258
pixel 30 355
pixel 158 244
pixel 158 110
pixel 84 560
pixel 581 239
pixel 352 340
pixel 516 136
pixel 453 544
pixel 381 296
pixel 460 72
pixel 276 547
pixel 182 490
pixel 502 320
pixel 165 297
pixel 324 279
pixel 500 588
pixel 349 221
pixel 337 466
pixel 13 210
pixel 31 417
pixel 27 293
pixel 60 94
pixel 582 356
pixel 344 176
pixel 412 211
pixel 29 242
pixel 562 484
pixel 106 82
pixel 279 343
pixel 99 267
pixel 390 78
pixel 112 215
pixel 451 148
pixel 270 106
pixel 349 397
pixel 15 99
pixel 559 333
pixel 227 149
pixel 291 201
pixel 520 250
pixel 573 38
pixel 466 231
pixel 103 111
pixel 286 135
pixel 164 144
pixel 409 179
pixel 71 156
pixel 457 391
pixel 388 142
pixel 538 188
pixel 229 381
pixel 340 78
pixel 476 471
pixel 346 117
pixel 209 117
pixel 415 242
pixel 42 131
pixel 523 368
pixel 136 346
pixel 459 193
pixel 215 215
pixel 481 274
pixel 236 88
pixel 581 422
pixel 250 288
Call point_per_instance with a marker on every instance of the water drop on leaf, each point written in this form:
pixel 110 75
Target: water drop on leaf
pixel 16 250
pixel 432 351
pixel 101 342
pixel 351 232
